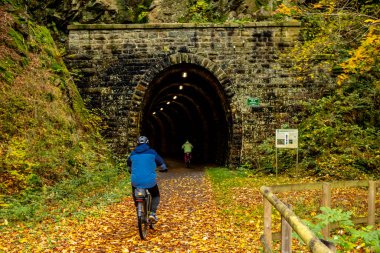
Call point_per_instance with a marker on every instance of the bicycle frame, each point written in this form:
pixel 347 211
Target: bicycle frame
pixel 143 207
pixel 187 158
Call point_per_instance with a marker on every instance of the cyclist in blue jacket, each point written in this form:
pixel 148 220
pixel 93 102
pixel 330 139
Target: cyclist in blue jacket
pixel 142 164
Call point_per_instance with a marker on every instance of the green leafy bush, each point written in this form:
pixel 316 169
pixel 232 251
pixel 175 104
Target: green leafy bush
pixel 92 188
pixel 346 236
pixel 203 11
pixel 139 11
pixel 339 132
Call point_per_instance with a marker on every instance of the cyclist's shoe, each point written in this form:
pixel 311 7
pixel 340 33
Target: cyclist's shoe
pixel 153 218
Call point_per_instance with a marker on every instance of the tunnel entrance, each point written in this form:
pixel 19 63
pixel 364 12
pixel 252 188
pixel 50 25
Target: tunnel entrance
pixel 186 102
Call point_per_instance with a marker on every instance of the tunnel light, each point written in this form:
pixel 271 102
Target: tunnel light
pixel 175 97
pixel 154 113
pixel 181 87
pixel 184 74
pixel 161 109
pixel 168 103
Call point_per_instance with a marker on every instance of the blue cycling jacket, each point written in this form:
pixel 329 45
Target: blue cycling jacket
pixel 143 161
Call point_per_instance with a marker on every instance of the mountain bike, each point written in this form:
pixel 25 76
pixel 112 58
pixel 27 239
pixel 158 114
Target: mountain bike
pixel 187 159
pixel 143 208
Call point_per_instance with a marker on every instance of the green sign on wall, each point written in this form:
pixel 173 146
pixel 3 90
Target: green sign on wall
pixel 253 102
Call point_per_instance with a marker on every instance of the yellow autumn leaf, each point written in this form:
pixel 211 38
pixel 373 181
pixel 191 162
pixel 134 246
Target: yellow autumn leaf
pixel 23 240
pixel 373 21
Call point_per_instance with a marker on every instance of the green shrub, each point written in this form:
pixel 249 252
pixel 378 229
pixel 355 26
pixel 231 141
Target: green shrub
pixel 70 196
pixel 347 236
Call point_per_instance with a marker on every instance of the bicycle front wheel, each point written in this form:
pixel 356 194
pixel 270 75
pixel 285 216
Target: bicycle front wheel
pixel 142 220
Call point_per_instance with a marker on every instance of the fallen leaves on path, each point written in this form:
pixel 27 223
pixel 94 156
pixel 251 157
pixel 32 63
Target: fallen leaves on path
pixel 189 221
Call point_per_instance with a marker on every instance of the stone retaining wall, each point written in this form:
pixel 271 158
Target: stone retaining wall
pixel 115 59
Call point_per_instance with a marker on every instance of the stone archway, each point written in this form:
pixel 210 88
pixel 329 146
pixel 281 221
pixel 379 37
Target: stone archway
pixel 203 112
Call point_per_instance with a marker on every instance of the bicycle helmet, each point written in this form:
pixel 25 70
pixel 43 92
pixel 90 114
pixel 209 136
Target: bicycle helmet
pixel 142 139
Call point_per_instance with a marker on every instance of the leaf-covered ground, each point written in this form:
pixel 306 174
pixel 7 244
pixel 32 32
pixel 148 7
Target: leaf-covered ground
pixel 189 221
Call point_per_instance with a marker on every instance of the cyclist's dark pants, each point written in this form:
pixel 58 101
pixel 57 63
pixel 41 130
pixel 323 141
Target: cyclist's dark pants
pixel 187 157
pixel 155 193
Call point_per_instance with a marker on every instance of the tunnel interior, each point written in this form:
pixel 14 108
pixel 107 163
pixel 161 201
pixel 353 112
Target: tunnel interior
pixel 186 102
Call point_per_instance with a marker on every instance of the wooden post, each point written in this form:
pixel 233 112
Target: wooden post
pixel 297 164
pixel 266 248
pixel 326 202
pixel 276 163
pixel 286 235
pixel 268 223
pixel 307 236
pixel 371 203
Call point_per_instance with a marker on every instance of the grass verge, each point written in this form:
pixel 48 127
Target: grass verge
pixel 77 197
pixel 237 193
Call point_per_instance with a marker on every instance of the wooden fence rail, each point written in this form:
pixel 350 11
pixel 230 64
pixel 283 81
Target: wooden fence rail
pixel 315 244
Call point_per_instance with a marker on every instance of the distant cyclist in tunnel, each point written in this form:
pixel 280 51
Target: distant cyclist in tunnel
pixel 142 164
pixel 187 149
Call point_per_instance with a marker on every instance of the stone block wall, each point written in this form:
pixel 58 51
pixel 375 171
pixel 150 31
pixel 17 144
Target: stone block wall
pixel 114 59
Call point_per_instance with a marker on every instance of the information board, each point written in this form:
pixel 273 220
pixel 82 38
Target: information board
pixel 286 138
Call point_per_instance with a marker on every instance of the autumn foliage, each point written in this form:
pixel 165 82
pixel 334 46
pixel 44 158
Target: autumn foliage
pixel 364 60
pixel 46 133
pixel 338 56
pixel 59 192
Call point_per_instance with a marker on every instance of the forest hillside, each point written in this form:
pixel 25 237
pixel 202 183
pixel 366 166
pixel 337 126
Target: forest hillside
pixel 48 137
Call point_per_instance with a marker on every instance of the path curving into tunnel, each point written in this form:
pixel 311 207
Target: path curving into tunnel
pixel 186 102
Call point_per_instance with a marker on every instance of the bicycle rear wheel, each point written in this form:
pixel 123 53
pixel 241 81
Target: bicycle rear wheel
pixel 149 207
pixel 187 160
pixel 142 219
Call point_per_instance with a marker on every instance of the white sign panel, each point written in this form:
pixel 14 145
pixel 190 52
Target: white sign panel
pixel 286 138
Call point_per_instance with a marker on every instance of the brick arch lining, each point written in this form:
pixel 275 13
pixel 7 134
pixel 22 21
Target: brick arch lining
pixel 136 105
